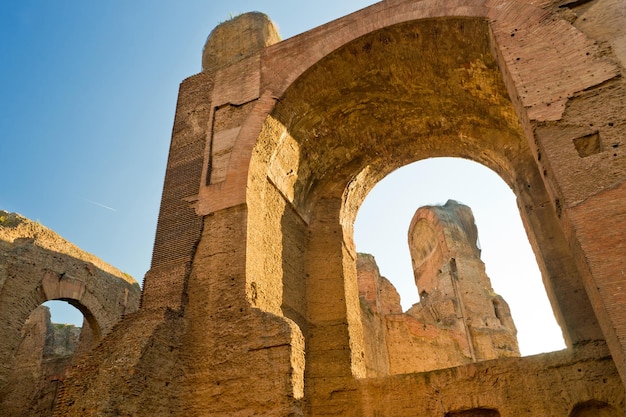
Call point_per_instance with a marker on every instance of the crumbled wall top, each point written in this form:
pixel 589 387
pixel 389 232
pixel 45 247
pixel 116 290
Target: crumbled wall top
pixel 15 228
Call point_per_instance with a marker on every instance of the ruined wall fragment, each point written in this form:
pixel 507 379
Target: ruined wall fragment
pixel 459 318
pixel 37 265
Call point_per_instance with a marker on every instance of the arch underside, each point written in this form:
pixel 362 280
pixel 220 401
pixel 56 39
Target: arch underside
pixel 411 91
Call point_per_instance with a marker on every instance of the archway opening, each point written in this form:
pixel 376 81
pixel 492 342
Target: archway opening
pixel 72 332
pixel 402 94
pixel 383 221
pixel 474 412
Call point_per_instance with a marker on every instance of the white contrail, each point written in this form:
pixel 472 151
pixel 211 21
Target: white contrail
pixel 100 205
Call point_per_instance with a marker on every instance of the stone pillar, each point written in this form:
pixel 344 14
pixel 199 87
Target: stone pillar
pixel 455 292
pixel 237 359
pixel 334 341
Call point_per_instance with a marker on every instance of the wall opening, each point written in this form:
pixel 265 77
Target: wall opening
pixel 588 145
pixel 383 220
pixel 405 93
pixel 63 312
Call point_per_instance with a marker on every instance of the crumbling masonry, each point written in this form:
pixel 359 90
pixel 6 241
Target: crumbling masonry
pixel 251 305
pixel 459 318
pixel 37 265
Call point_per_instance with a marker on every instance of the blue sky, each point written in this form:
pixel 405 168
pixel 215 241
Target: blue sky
pixel 88 97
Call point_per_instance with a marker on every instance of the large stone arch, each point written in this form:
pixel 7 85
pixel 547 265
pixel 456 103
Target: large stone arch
pixel 276 145
pixel 37 266
pixel 529 45
pixel 409 91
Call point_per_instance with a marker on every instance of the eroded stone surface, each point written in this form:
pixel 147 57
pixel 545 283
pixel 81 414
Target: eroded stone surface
pixel 43 360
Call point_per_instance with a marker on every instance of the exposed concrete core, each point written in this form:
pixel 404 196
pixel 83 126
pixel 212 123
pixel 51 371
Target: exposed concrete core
pixel 453 284
pixel 252 307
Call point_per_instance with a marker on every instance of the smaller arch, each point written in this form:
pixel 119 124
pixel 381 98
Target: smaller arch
pixel 72 291
pixel 594 408
pixel 475 412
pixel 47 351
pixel 95 328
pixel 37 265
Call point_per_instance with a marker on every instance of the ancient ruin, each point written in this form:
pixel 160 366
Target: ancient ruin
pixel 37 265
pixel 459 318
pixel 251 305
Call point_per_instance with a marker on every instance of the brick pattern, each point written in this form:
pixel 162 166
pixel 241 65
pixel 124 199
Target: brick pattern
pixel 178 227
pixel 606 260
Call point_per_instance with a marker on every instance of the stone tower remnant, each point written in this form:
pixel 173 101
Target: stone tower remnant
pixel 453 284
pixel 458 320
